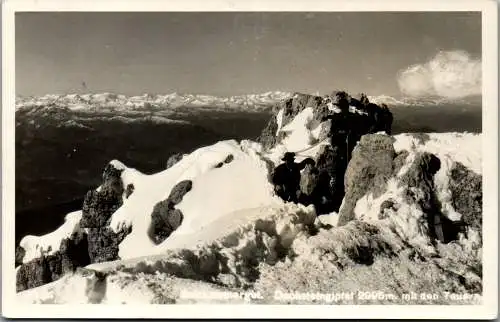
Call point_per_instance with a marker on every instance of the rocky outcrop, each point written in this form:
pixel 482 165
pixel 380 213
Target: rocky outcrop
pixel 20 252
pixel 467 195
pixel 93 241
pixel 414 199
pixel 369 169
pixel 103 243
pixel 165 218
pixel 268 136
pixel 72 254
pixel 98 206
pixel 343 120
pixel 322 184
pixel 178 191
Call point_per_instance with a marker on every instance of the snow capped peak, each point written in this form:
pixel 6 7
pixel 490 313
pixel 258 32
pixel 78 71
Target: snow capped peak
pixel 250 102
pixel 423 101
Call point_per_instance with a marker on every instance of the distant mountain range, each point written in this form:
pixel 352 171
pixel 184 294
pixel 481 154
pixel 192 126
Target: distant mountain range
pixel 250 102
pixel 106 101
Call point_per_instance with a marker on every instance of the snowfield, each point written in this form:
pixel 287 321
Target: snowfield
pixel 241 184
pixel 237 236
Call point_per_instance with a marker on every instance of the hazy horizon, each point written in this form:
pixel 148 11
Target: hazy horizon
pixel 243 53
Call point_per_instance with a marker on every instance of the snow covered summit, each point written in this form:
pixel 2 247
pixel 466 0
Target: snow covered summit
pixel 377 211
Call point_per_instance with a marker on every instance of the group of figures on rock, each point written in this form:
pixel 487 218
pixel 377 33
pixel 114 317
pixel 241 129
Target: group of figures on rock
pixel 321 182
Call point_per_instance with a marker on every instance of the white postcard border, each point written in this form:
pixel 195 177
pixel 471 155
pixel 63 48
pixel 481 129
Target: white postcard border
pixel 487 310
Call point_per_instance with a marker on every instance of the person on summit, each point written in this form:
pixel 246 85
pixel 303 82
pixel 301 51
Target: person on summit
pixel 286 177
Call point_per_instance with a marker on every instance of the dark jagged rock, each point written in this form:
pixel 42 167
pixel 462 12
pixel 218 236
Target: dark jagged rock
pixel 291 107
pixel 297 103
pixel 329 190
pixel 35 273
pixel 268 136
pixel 164 220
pixel 72 253
pixel 98 206
pixel 100 244
pixel 103 243
pixel 173 159
pixel 369 170
pixel 467 195
pixel 371 118
pixel 179 190
pixel 20 252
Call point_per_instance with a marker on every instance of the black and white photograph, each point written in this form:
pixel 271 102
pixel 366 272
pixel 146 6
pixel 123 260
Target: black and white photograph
pixel 255 158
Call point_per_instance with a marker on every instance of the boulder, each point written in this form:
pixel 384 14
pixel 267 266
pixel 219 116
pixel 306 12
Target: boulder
pixel 369 170
pixel 164 220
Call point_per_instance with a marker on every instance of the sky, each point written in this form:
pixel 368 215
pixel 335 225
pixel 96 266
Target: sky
pixel 228 53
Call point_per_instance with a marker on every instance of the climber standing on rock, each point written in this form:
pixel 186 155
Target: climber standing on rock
pixel 286 177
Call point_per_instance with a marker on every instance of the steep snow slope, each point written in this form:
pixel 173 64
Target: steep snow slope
pixel 241 184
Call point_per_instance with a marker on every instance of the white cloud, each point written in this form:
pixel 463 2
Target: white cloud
pixel 450 74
